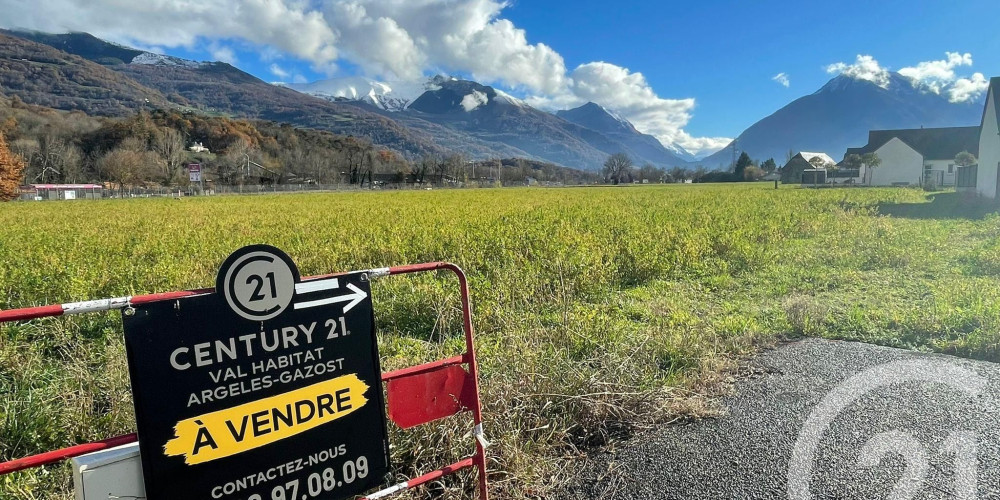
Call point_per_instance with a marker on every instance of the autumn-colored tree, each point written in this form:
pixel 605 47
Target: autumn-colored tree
pixel 11 172
pixel 9 125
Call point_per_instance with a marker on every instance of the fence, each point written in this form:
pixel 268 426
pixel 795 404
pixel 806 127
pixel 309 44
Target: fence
pixel 193 190
pixel 966 177
pixel 415 396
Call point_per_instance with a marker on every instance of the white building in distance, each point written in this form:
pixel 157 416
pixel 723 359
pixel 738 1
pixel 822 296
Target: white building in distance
pixel 987 180
pixel 917 156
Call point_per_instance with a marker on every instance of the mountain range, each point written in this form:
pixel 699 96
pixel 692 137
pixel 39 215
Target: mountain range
pixel 441 115
pixel 580 137
pixel 840 114
pixel 449 116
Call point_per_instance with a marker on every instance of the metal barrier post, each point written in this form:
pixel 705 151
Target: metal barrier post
pixel 478 460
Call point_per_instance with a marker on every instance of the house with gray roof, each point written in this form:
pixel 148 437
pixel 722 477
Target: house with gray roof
pixel 987 181
pixel 791 172
pixel 917 156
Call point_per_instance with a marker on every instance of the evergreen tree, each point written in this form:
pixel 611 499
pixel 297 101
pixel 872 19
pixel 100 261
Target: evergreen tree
pixel 741 165
pixel 769 165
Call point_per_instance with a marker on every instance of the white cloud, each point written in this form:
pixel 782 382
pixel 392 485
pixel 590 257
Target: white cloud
pixel 474 100
pixel 934 72
pixel 938 76
pixel 387 39
pixel 288 25
pixel 278 71
pixel 865 67
pixel 630 95
pixel 782 79
pixel 223 53
pixel 405 38
pixel 966 89
pixel 376 42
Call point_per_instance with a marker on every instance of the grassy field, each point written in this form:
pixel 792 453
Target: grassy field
pixel 599 310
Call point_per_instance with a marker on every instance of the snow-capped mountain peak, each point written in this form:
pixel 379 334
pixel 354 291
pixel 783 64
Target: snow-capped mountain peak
pixel 621 119
pixel 509 99
pixel 682 153
pixel 149 58
pixel 389 96
pixel 599 118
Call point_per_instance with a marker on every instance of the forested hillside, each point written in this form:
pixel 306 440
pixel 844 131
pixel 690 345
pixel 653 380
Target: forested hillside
pixel 150 149
pixel 48 77
pixel 42 75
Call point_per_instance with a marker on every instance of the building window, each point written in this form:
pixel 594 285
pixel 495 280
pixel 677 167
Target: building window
pixel 951 168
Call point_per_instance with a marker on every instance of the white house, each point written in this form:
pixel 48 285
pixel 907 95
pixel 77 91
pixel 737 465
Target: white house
pixel 987 181
pixel 198 148
pixel 917 156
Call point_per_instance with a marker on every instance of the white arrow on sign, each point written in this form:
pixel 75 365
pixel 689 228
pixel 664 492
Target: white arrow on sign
pixel 317 285
pixel 354 298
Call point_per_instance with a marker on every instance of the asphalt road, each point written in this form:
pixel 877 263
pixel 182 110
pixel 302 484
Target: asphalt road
pixel 824 419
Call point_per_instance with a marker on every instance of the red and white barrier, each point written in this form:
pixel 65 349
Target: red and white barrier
pixel 415 395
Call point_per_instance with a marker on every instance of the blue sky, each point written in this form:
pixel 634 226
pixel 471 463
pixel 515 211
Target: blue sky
pixel 707 67
pixel 724 53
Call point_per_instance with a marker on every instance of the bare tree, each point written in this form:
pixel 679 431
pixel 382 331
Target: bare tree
pixel 453 165
pixel 27 148
pixel 130 164
pixel 678 174
pixel 650 173
pixel 169 143
pixel 421 168
pixel 72 164
pixel 122 166
pixel 237 157
pixel 618 168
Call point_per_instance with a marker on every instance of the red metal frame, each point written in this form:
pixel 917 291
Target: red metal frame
pixel 478 460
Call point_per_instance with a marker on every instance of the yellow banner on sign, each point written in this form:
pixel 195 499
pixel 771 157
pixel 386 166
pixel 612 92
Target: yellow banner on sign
pixel 234 430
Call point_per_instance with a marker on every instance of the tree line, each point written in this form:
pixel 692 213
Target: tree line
pixel 153 149
pixel 619 168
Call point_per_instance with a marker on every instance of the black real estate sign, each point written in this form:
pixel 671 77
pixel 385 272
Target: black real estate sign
pixel 267 389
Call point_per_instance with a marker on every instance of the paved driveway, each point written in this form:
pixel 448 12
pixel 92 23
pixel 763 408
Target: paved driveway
pixel 824 420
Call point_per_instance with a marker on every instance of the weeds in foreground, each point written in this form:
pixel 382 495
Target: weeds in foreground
pixel 599 311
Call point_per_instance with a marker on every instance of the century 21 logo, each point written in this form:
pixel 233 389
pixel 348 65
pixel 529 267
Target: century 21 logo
pixel 258 282
pixel 961 444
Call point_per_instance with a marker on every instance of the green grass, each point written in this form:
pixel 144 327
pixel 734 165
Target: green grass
pixel 599 310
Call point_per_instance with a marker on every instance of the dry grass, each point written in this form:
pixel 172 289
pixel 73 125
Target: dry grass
pixel 599 311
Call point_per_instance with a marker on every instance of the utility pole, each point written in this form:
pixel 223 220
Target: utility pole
pixel 735 141
pixel 246 173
